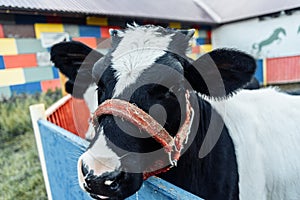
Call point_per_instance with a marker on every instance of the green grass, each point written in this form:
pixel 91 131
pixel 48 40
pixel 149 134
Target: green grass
pixel 20 170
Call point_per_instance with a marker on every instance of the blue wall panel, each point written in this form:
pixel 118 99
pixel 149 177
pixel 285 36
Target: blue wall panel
pixel 200 41
pixel 2 65
pixel 55 73
pixel 259 71
pixel 29 88
pixel 89 31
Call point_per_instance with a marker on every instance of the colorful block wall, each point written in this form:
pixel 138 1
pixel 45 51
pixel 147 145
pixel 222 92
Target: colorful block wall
pixel 25 66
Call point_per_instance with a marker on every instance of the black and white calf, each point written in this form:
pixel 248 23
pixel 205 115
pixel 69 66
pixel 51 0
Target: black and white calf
pixel 229 143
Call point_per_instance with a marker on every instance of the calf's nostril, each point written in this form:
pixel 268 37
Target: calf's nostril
pixel 114 185
pixel 86 187
pixel 84 169
pixel 113 181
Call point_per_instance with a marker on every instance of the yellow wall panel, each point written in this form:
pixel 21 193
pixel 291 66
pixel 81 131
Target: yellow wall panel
pixel 11 77
pixel 101 21
pixel 63 80
pixel 47 28
pixel 206 48
pixel 265 72
pixel 196 34
pixel 193 56
pixel 175 25
pixel 8 46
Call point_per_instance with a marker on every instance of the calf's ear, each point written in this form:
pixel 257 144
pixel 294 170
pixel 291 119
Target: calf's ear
pixel 116 36
pixel 221 72
pixel 75 60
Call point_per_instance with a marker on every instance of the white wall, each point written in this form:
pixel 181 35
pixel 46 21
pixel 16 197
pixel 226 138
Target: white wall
pixel 246 35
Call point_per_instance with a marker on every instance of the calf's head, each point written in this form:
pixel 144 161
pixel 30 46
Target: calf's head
pixel 147 68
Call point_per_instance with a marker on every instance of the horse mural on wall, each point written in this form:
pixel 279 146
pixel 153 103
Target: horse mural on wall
pixel 275 36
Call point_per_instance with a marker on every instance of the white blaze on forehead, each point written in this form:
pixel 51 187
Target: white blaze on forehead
pixel 91 98
pixel 100 157
pixel 136 52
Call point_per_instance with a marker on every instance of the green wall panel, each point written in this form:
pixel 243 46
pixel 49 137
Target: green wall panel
pixel 5 92
pixel 38 74
pixel 29 45
pixel 73 30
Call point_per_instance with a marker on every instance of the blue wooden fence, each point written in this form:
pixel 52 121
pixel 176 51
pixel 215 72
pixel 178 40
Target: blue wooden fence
pixel 61 150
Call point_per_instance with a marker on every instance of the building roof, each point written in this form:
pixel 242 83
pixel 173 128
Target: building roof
pixel 197 11
pixel 224 11
pixel 175 10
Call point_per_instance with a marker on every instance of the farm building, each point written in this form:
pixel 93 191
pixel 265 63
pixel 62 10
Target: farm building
pixel 272 37
pixel 29 28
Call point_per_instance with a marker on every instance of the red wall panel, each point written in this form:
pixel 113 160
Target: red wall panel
pixel 89 41
pixel 283 70
pixel 1 31
pixel 50 85
pixel 21 60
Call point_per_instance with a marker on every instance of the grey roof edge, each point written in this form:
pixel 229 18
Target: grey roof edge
pixel 96 14
pixel 244 10
pixel 208 12
pixel 231 20
pixel 197 15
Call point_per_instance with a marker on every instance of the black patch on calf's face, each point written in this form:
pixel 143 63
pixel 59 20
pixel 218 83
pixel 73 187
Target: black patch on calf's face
pixel 165 91
pixel 123 186
pixel 106 86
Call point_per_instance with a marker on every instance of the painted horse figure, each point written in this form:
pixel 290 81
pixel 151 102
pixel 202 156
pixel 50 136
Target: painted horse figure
pixel 188 121
pixel 272 38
